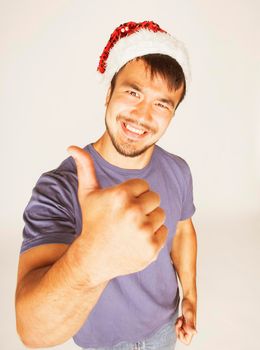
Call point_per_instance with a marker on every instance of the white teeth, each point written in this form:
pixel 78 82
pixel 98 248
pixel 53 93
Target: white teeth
pixel 137 131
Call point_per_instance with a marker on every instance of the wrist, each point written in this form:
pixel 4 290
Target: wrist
pixel 86 263
pixel 190 299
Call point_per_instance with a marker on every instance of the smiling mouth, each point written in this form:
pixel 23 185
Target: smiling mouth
pixel 133 131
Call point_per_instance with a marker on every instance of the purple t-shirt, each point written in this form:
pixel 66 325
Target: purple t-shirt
pixel 134 306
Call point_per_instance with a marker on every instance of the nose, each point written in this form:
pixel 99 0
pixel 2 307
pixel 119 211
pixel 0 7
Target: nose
pixel 143 111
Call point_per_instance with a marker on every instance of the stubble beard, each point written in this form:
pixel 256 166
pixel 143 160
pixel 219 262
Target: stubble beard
pixel 127 148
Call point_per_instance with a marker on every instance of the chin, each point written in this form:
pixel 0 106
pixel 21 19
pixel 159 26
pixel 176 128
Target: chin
pixel 130 149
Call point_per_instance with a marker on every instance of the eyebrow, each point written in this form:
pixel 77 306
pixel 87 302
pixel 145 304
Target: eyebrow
pixel 136 87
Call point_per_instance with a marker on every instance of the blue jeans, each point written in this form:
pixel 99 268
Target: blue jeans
pixel 163 339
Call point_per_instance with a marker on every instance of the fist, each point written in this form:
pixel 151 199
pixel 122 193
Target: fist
pixel 122 225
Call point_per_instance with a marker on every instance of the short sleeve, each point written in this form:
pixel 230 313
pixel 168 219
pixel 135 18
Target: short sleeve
pixel 188 207
pixel 49 215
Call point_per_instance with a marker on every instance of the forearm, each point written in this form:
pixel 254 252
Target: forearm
pixel 53 302
pixel 184 256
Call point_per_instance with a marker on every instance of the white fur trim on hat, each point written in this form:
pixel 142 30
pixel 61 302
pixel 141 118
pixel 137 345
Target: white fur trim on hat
pixel 142 43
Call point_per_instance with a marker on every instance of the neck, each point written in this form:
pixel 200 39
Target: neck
pixel 106 149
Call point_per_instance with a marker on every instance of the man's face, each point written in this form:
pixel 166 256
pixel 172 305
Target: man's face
pixel 139 110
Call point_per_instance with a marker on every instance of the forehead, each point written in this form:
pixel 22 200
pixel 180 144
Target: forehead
pixel 138 70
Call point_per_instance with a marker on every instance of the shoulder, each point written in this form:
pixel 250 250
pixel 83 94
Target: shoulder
pixel 58 184
pixel 178 164
pixel 64 173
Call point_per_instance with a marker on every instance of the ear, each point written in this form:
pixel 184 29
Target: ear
pixel 108 96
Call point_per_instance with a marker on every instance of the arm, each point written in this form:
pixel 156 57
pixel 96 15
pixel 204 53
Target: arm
pixel 58 286
pixel 184 254
pixel 55 293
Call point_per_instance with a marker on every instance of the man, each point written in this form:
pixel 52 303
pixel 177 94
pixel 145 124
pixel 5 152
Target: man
pixel 106 232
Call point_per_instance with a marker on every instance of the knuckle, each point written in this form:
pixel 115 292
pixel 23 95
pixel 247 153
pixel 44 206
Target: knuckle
pixel 162 213
pixel 133 213
pixel 135 181
pixel 145 183
pixel 157 197
pixel 121 194
pixel 146 227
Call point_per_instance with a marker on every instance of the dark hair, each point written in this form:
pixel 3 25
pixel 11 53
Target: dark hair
pixel 165 66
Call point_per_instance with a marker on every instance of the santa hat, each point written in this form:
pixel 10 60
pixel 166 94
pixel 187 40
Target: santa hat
pixel 131 40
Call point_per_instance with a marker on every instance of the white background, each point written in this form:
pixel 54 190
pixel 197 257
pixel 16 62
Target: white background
pixel 50 99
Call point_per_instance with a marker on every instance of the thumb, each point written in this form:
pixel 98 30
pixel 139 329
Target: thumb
pixel 87 180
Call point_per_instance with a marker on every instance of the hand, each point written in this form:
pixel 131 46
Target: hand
pixel 121 225
pixel 185 325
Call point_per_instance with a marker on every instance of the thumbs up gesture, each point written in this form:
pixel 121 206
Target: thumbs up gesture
pixel 122 225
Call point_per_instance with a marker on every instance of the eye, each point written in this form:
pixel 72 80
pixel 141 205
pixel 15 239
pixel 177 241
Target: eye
pixel 132 93
pixel 162 106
